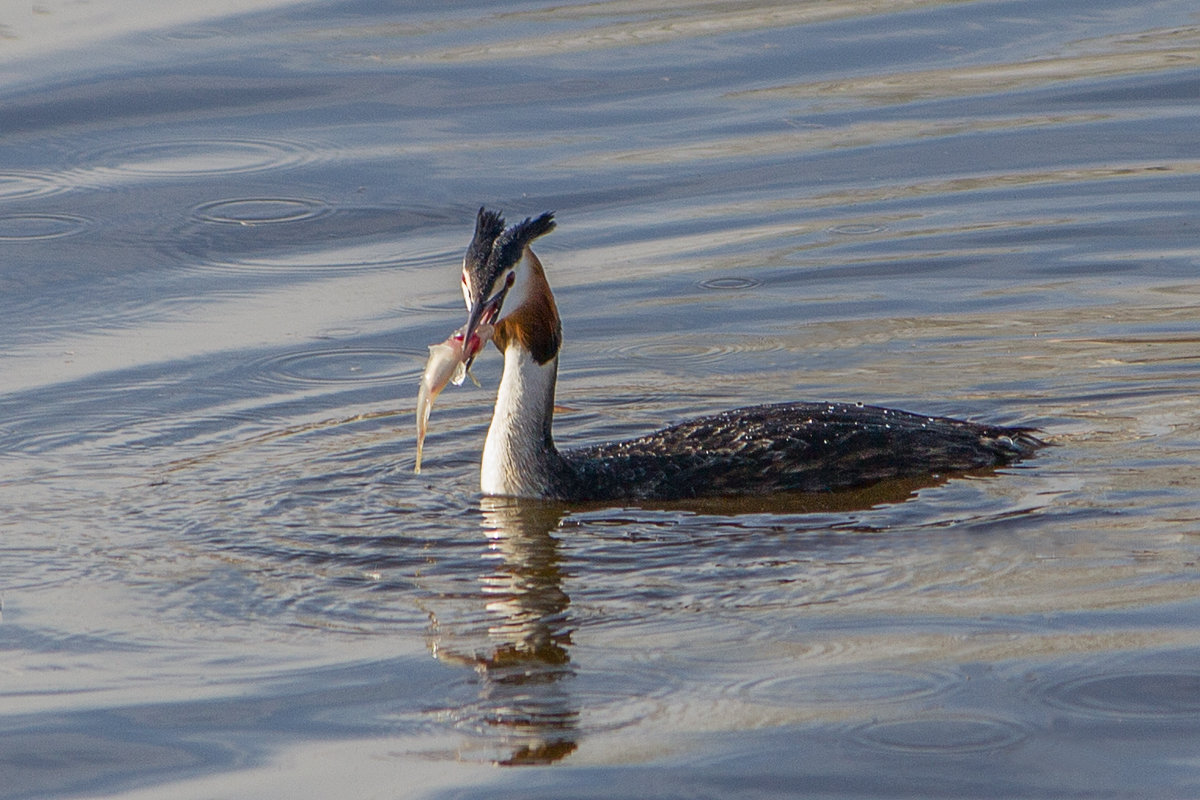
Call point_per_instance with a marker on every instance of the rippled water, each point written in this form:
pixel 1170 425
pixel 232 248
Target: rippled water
pixel 226 240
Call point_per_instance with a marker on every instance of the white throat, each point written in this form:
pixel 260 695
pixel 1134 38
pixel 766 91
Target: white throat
pixel 519 455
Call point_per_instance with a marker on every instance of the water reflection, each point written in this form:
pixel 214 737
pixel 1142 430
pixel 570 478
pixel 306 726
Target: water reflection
pixel 513 627
pixel 523 664
pixel 882 493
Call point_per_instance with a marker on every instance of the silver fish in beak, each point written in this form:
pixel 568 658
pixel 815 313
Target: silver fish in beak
pixel 448 362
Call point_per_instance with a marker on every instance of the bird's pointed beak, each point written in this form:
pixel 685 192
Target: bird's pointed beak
pixel 480 318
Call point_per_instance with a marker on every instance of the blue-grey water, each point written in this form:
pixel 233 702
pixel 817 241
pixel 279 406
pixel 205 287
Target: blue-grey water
pixel 228 233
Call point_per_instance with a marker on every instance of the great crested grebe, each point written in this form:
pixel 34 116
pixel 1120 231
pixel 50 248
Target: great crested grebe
pixel 788 447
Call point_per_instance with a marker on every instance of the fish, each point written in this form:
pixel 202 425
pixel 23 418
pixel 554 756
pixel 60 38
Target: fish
pixel 444 364
pixel 447 363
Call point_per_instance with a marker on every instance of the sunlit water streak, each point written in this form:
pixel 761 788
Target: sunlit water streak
pixel 222 265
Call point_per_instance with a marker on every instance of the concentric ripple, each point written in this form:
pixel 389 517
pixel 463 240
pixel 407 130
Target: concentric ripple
pixel 842 687
pixel 191 34
pixel 1138 694
pixel 691 350
pixel 24 185
pixel 730 284
pixel 342 365
pixel 54 420
pixel 185 158
pixel 856 229
pixel 940 734
pixel 261 210
pixel 33 227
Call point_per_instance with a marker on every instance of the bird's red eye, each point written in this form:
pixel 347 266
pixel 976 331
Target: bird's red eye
pixel 511 279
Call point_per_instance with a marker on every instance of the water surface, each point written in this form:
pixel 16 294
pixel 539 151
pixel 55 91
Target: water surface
pixel 227 239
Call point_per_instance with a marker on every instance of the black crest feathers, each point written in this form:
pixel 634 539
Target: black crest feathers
pixel 488 225
pixel 509 245
pixel 493 248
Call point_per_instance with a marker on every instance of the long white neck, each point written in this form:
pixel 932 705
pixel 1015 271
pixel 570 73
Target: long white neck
pixel 519 457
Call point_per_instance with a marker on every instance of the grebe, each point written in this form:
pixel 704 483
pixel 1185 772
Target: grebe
pixel 789 447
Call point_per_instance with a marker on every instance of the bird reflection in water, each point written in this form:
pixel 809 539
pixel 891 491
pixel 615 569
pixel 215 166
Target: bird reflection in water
pixel 524 667
pixel 515 628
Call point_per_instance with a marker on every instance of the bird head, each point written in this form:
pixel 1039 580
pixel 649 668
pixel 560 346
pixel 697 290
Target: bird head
pixel 501 277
